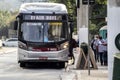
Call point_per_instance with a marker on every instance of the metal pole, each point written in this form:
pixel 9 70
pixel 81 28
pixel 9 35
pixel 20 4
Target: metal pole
pixel 88 41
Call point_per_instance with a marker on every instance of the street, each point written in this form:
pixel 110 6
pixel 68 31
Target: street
pixel 10 70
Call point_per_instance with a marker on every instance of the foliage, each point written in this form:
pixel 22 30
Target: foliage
pixel 93 29
pixel 6 22
pixel 6 18
pixel 98 15
pixel 102 1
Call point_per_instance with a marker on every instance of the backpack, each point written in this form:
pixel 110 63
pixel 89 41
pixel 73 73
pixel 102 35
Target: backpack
pixel 92 43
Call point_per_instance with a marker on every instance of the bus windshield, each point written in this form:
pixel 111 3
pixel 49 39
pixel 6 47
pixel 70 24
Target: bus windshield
pixel 44 31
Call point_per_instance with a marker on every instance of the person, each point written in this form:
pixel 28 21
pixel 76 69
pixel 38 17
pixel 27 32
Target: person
pixel 101 49
pixel 94 46
pixel 72 44
pixel 105 52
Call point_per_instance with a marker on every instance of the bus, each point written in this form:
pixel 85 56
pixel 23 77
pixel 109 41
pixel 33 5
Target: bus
pixel 103 32
pixel 44 33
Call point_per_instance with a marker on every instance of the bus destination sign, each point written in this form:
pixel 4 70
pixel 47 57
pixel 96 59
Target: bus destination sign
pixel 42 17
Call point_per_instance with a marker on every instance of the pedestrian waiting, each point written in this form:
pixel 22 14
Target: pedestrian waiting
pixel 94 46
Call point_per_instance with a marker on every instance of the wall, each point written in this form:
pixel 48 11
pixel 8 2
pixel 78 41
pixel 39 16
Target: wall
pixel 113 30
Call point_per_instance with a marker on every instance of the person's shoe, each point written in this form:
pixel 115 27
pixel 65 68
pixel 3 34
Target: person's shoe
pixel 105 64
pixel 98 60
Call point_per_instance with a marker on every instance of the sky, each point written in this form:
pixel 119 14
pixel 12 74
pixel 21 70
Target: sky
pixel 9 4
pixel 12 4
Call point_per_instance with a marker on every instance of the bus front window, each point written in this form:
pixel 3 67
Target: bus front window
pixel 56 31
pixel 32 32
pixel 44 32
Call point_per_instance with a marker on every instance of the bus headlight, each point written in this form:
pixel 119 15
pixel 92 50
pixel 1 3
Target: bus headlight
pixel 64 45
pixel 22 45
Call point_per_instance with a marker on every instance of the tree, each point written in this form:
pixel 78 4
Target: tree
pixel 3 18
pixel 102 2
pixel 6 21
pixel 6 18
pixel 98 15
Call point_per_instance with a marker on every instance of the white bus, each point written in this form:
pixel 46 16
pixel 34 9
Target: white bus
pixel 43 33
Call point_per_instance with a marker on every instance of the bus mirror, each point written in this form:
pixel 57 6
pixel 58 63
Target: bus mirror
pixel 15 25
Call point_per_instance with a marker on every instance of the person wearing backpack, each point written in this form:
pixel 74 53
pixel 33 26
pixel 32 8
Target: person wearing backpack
pixel 94 46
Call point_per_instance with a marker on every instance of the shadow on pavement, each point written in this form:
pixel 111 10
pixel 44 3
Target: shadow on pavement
pixel 42 65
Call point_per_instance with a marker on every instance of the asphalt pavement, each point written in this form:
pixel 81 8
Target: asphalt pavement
pixel 7 49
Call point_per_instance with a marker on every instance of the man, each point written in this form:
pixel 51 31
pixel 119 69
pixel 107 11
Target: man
pixel 101 49
pixel 105 51
pixel 94 46
pixel 72 44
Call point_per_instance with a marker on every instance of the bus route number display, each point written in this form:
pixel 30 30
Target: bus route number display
pixel 41 17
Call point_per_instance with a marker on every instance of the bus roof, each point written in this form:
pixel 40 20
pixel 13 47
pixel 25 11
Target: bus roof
pixel 43 8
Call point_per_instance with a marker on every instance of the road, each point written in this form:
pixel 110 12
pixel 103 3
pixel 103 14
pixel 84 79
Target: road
pixel 10 70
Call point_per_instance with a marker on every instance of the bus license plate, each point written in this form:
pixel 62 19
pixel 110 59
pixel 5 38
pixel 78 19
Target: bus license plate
pixel 43 58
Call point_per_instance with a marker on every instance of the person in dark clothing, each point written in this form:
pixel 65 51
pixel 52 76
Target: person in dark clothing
pixel 94 46
pixel 72 44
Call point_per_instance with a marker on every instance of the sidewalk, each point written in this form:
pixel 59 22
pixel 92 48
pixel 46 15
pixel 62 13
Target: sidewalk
pixel 95 74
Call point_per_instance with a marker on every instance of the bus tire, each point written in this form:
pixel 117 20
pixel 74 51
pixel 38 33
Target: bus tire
pixel 22 64
pixel 117 41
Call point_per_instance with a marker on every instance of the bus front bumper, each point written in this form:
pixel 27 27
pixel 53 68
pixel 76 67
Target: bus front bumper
pixel 48 56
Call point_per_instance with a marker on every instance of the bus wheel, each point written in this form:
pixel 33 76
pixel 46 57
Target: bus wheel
pixel 22 64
